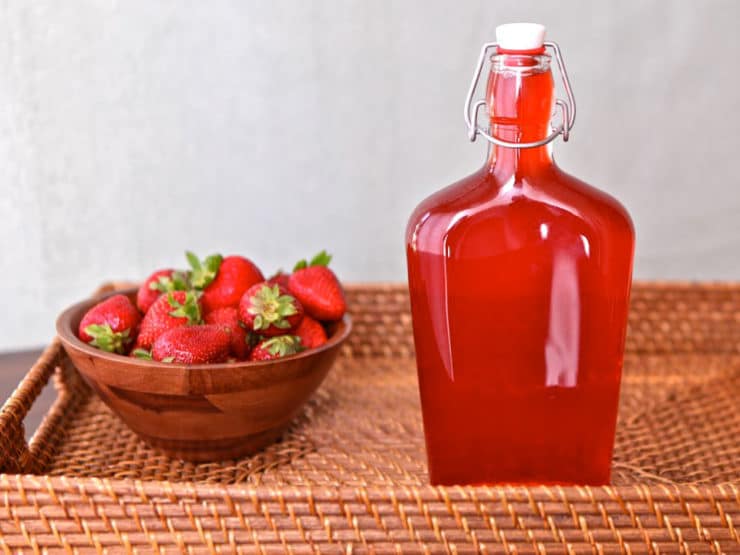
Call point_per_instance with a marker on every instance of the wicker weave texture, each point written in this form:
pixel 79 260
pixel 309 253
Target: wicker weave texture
pixel 85 515
pixel 351 473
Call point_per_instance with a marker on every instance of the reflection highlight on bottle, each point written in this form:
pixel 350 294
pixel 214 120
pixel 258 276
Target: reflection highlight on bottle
pixel 562 347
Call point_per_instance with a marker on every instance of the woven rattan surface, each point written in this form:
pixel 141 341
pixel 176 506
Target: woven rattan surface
pixel 351 473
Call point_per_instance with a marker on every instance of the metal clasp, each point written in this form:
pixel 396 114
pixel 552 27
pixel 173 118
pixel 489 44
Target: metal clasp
pixel 567 109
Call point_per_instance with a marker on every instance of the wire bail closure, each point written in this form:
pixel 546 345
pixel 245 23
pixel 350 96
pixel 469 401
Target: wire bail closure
pixel 567 109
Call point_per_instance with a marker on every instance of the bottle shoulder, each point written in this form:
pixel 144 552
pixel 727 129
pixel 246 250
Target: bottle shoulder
pixel 520 201
pixel 457 196
pixel 593 204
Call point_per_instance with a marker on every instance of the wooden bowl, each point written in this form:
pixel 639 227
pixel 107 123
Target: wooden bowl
pixel 201 412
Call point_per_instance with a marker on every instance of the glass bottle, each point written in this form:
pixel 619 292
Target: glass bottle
pixel 519 276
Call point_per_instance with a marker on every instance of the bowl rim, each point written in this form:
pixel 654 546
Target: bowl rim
pixel 69 336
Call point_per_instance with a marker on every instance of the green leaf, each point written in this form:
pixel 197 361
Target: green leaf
pixel 213 262
pixel 163 284
pixel 193 260
pixel 142 354
pixel 155 285
pixel 105 339
pixel 283 345
pixel 96 330
pixel 178 281
pixel 168 359
pixel 321 259
pixel 188 309
pixel 285 310
pixel 181 280
pixel 203 272
pixel 270 306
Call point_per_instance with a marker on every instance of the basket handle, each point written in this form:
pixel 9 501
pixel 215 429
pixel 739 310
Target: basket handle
pixel 15 454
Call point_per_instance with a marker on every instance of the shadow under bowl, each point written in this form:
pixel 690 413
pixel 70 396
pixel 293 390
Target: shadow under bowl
pixel 202 412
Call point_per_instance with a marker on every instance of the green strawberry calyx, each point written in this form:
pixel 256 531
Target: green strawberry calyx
pixel 143 354
pixel 271 307
pixel 178 281
pixel 204 272
pixel 188 309
pixel 321 259
pixel 282 345
pixel 105 339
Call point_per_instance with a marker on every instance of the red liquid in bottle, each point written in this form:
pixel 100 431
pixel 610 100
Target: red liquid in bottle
pixel 519 278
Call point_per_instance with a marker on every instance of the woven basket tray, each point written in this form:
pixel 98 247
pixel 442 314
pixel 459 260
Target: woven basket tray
pixel 350 475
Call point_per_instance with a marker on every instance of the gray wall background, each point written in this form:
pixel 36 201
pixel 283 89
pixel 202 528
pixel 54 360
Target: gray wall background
pixel 132 130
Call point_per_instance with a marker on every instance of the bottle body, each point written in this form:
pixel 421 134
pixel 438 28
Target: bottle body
pixel 519 277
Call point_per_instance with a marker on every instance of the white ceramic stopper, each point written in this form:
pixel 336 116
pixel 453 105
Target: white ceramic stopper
pixel 520 36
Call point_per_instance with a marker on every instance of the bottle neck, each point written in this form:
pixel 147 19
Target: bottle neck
pixel 520 97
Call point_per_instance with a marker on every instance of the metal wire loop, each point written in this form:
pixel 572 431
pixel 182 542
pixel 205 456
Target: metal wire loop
pixel 567 108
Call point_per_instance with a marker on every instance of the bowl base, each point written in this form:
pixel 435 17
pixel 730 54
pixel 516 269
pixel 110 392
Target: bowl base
pixel 215 450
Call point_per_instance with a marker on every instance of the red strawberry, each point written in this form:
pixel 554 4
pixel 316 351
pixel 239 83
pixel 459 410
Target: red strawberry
pixel 281 278
pixel 110 325
pixel 276 347
pixel 311 332
pixel 270 310
pixel 160 282
pixel 223 280
pixel 170 310
pixel 228 317
pixel 318 289
pixel 193 345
